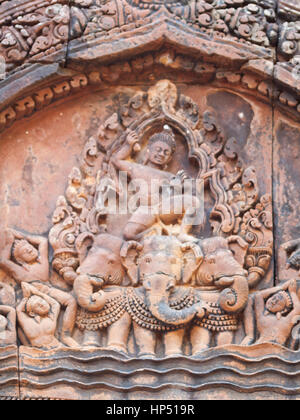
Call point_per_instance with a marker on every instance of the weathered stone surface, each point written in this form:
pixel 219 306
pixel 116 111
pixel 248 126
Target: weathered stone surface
pixel 34 32
pixel 287 136
pixel 147 301
pixel 9 379
pixel 138 379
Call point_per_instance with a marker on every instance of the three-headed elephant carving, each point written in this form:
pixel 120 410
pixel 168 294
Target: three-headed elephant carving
pixel 99 286
pixel 222 283
pixel 159 265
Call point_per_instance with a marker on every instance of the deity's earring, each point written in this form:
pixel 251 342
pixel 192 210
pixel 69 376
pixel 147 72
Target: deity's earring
pixel 146 160
pixel 167 164
pixel 278 316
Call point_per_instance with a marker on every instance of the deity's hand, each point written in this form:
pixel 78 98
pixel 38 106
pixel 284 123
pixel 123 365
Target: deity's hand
pixel 182 175
pixel 133 140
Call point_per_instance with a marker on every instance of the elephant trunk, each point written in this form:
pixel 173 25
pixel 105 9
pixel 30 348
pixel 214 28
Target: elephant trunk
pixel 257 271
pixel 161 309
pixel 234 298
pixel 84 291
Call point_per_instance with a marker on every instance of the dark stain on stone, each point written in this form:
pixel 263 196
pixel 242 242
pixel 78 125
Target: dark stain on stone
pixel 234 115
pixel 28 169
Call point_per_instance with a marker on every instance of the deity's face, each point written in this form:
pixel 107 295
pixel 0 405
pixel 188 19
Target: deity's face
pixel 276 303
pixel 38 306
pixel 160 153
pixel 3 323
pixel 27 253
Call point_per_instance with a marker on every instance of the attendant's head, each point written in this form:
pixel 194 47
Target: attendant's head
pixel 37 306
pixel 24 253
pixel 280 303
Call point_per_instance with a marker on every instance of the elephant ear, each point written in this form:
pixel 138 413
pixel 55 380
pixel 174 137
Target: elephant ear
pixel 192 259
pixel 239 248
pixel 84 242
pixel 130 253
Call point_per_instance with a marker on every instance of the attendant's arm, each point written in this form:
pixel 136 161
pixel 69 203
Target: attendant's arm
pixel 12 269
pixel 22 316
pixel 269 292
pixel 44 257
pixel 259 305
pixel 10 313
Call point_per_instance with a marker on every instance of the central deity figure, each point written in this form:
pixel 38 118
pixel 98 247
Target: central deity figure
pixel 155 184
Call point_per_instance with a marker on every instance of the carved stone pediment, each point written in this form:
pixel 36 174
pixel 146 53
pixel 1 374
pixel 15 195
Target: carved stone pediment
pixel 148 198
pixel 144 278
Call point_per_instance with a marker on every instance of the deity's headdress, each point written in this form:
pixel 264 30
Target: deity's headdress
pixel 166 136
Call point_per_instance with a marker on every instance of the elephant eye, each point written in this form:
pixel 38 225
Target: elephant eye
pixel 211 261
pixel 148 260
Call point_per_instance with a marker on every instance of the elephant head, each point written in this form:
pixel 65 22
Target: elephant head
pixel 223 267
pixel 101 267
pixel 159 264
